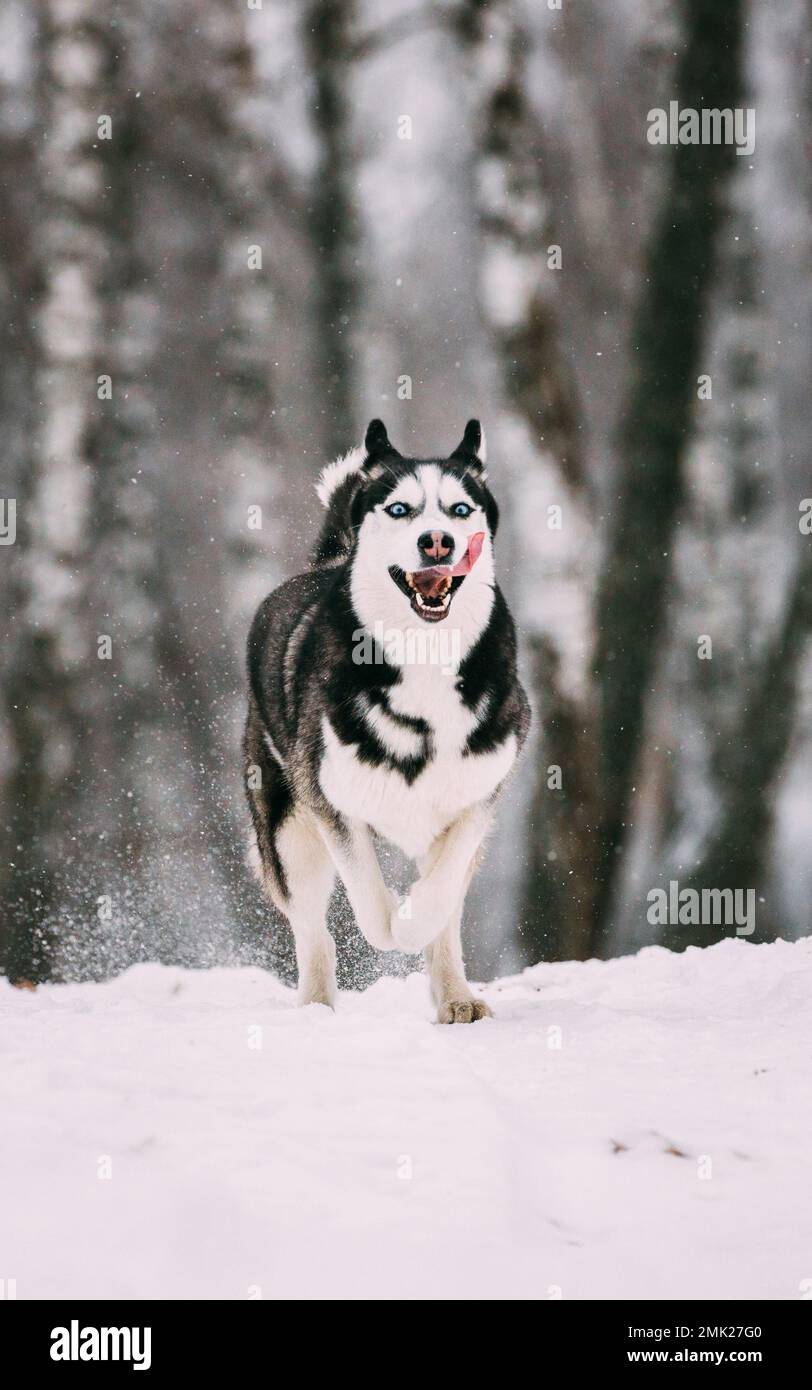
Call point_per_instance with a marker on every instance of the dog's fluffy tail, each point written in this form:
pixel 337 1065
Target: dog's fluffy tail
pixel 336 488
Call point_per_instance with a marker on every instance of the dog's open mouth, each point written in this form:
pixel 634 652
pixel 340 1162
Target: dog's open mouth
pixel 431 588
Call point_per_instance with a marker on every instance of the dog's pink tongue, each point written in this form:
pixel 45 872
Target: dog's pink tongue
pixel 471 555
pixel 429 581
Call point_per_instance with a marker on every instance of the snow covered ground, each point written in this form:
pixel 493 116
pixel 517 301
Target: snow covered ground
pixel 259 1150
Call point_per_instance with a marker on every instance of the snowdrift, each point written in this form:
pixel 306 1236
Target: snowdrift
pixel 633 1128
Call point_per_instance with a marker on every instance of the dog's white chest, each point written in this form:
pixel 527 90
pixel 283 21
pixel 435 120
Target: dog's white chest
pixel 412 814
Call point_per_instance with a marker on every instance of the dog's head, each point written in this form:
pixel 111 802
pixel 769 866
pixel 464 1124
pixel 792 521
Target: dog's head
pixel 418 532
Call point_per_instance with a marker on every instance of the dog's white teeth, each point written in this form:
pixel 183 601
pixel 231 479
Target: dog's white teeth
pixel 434 607
pixel 410 578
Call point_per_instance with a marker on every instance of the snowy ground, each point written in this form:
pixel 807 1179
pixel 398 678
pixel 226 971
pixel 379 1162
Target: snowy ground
pixel 260 1150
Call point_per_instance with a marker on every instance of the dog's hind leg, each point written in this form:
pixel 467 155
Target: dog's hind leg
pixel 309 876
pixel 291 862
pixel 299 884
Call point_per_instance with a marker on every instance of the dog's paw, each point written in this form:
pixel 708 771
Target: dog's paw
pixel 463 1011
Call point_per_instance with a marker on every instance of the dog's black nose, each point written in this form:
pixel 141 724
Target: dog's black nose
pixel 435 545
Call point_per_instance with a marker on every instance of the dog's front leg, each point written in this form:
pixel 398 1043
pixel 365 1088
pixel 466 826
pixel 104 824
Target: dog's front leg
pixel 451 992
pixel 436 898
pixel 353 853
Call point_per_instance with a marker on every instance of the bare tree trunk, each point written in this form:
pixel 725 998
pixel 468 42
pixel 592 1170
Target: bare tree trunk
pixel 759 717
pixel 237 161
pixel 20 287
pixel 520 303
pixel 562 821
pixel 46 686
pixel 328 42
pixel 520 274
pixel 749 766
pixel 655 425
pixel 243 175
pixel 593 718
pixel 126 577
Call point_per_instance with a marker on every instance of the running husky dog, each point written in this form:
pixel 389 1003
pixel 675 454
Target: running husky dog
pixel 362 724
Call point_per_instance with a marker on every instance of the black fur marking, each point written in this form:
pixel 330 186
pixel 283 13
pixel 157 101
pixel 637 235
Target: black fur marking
pixel 272 802
pixel 488 678
pixel 352 684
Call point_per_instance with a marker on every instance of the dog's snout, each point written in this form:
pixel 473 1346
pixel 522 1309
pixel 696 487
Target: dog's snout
pixel 435 545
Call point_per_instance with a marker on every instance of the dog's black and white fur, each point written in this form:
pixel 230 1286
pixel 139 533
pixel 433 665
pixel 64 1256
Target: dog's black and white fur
pixel 340 749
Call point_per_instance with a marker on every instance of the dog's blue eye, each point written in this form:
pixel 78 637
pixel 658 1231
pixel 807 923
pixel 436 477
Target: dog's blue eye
pixel 462 509
pixel 398 509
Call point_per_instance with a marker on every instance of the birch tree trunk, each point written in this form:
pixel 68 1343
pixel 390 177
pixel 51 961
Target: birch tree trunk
pixel 596 647
pixel 49 708
pixel 523 273
pixel 242 171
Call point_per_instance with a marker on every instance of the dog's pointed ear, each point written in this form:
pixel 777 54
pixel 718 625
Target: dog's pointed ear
pixel 376 441
pixel 472 445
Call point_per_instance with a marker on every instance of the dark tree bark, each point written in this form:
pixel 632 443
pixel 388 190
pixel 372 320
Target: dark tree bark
pixel 328 43
pixel 557 913
pixel 753 745
pixel 665 343
pixel 127 581
pixel 577 834
pixel 749 764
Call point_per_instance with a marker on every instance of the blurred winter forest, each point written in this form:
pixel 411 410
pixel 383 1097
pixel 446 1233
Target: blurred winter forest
pixel 232 232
